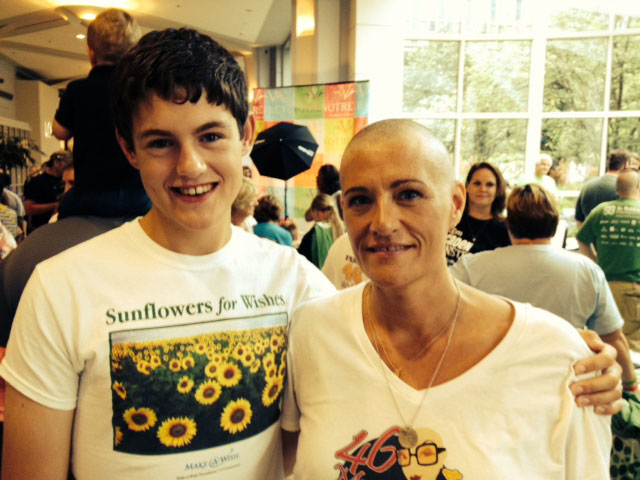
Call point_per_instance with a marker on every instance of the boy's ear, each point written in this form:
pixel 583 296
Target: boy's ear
pixel 249 135
pixel 128 152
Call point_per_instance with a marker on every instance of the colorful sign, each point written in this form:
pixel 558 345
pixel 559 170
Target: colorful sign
pixel 334 113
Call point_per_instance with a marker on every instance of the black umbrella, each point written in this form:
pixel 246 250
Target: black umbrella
pixel 283 151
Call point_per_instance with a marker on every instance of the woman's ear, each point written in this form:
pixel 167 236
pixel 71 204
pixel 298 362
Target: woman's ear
pixel 458 200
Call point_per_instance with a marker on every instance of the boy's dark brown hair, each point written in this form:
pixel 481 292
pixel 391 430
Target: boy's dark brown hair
pixel 178 66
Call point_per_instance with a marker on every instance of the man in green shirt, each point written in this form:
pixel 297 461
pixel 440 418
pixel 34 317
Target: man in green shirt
pixel 611 237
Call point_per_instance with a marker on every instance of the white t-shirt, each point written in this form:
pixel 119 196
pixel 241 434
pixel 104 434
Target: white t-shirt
pixel 341 266
pixel 174 363
pixel 510 416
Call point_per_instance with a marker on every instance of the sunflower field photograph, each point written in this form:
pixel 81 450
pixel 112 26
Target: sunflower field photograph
pixel 219 384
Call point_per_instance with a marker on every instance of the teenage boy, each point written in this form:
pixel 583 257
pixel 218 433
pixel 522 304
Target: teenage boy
pixel 158 349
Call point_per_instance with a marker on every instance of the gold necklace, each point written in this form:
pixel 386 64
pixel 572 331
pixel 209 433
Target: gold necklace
pixel 407 436
pixel 398 370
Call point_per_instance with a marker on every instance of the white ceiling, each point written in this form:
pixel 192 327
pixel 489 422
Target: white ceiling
pixel 39 35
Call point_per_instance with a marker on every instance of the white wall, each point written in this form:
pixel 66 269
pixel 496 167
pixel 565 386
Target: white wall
pixel 49 99
pixel 379 55
pixel 36 104
pixel 8 76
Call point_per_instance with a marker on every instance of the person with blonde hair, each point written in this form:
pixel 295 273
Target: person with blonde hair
pixel 106 184
pixel 110 35
pixel 316 242
pixel 532 271
pixel 244 205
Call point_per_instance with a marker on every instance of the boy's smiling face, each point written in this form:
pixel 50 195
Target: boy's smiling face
pixel 190 160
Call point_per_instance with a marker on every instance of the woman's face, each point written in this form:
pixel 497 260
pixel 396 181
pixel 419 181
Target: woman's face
pixel 398 207
pixel 319 215
pixel 482 188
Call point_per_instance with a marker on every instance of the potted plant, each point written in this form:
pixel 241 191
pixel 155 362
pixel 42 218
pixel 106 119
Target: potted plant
pixel 16 153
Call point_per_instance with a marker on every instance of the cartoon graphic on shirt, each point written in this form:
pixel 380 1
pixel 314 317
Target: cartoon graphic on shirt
pixel 196 386
pixel 385 458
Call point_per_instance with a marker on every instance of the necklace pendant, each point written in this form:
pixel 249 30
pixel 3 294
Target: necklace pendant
pixel 407 437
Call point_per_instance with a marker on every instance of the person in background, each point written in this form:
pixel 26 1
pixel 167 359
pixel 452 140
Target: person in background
pixel 244 205
pixel 541 174
pixel 482 225
pixel 246 171
pixel 9 219
pixel 532 271
pixel 41 192
pixel 268 213
pixel 105 183
pixel 12 200
pixel 496 372
pixel 290 225
pixel 341 266
pixel 316 242
pixel 603 188
pixel 609 236
pixel 68 178
pixel 327 181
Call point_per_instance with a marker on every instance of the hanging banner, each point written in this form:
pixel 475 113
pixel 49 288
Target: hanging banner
pixel 333 112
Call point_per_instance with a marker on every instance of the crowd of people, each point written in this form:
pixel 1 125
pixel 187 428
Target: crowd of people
pixel 170 323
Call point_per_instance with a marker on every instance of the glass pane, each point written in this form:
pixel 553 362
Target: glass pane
pixel 488 85
pixel 578 20
pixel 626 22
pixel 574 145
pixel 435 16
pixel 575 75
pixel 430 76
pixel 501 142
pixel 477 16
pixel 491 16
pixel 625 73
pixel 445 130
pixel 624 133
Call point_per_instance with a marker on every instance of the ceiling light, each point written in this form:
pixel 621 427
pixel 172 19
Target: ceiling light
pixel 80 36
pixel 305 26
pixel 88 16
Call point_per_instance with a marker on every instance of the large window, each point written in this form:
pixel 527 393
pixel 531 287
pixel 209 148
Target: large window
pixel 502 81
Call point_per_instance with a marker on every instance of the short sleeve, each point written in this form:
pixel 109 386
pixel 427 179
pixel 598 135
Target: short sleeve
pixel 585 234
pixel 606 317
pixel 38 363
pixel 65 113
pixel 290 412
